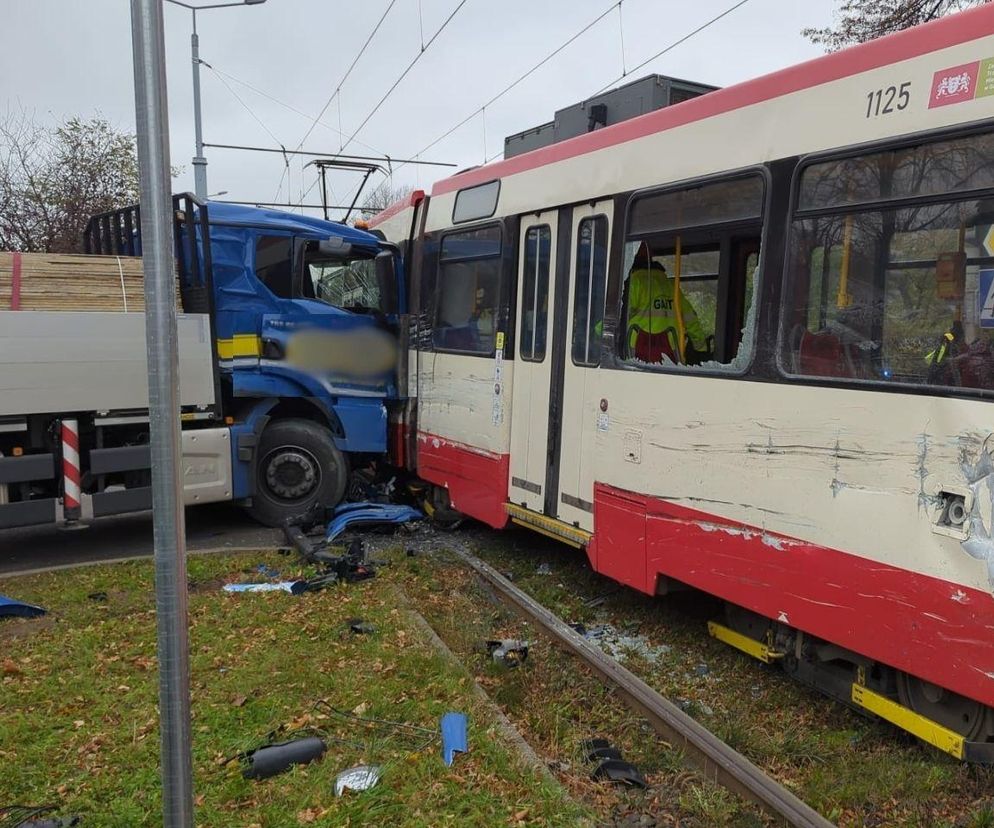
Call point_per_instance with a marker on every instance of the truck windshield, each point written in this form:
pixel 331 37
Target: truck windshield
pixel 348 283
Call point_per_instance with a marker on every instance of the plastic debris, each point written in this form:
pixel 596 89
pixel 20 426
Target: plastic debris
pixel 454 736
pixel 268 572
pixel 357 626
pixel 359 778
pixel 619 772
pixel 543 569
pixel 33 816
pixel 98 596
pixel 270 760
pixel 367 514
pixel 11 608
pixel 279 586
pixel 509 652
pixel 611 767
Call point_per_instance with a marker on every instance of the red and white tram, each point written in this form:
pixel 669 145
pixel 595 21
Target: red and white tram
pixel 746 344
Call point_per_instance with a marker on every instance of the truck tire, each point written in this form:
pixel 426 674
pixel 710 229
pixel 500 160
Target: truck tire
pixel 299 468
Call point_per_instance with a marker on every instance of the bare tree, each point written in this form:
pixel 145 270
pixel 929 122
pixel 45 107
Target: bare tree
pixel 52 179
pixel 382 197
pixel 862 20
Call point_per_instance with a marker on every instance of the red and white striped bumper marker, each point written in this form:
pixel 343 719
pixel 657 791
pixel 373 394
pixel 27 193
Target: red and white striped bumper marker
pixel 70 471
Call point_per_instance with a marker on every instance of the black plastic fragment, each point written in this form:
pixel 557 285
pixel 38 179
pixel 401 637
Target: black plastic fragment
pixel 359 627
pixel 603 753
pixel 273 759
pixel 594 744
pixel 619 772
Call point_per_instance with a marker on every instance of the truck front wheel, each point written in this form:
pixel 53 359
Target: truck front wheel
pixel 299 467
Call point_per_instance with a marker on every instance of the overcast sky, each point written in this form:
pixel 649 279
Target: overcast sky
pixel 73 57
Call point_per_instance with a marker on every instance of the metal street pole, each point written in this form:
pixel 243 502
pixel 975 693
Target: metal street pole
pixel 199 161
pixel 163 397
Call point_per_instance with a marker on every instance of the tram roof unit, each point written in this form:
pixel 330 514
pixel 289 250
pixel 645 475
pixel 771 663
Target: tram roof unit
pixel 814 106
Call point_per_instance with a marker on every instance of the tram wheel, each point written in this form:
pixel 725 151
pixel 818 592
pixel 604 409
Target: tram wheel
pixel 958 713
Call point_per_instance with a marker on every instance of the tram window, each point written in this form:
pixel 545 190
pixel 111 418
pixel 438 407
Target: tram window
pixel 691 255
pixel 588 295
pixel 474 203
pixel 896 294
pixel 468 291
pixel 950 166
pixel 272 265
pixel 535 293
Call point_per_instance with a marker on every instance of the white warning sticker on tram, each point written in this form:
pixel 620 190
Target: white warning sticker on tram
pixel 986 291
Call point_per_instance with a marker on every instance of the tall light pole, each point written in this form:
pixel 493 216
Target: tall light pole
pixel 199 161
pixel 152 121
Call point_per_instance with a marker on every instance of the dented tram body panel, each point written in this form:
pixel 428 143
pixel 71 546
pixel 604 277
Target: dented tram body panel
pixel 815 460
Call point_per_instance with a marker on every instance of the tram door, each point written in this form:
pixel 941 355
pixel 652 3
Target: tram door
pixel 538 298
pixel 579 411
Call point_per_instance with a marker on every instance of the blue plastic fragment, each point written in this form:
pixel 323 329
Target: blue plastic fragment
pixel 268 571
pixel 10 608
pixel 350 514
pixel 279 586
pixel 454 738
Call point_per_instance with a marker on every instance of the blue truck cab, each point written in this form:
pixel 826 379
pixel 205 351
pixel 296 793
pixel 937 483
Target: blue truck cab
pixel 305 317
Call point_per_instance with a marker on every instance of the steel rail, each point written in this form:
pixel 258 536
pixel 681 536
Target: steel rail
pixel 705 751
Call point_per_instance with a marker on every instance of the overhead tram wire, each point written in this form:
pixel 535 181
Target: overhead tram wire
pixel 348 72
pixel 673 45
pixel 289 107
pixel 284 176
pixel 337 155
pixel 286 161
pixel 395 84
pixel 644 63
pixel 527 74
pixel 403 74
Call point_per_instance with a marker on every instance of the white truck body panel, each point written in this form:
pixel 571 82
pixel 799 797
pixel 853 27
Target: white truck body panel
pixel 53 362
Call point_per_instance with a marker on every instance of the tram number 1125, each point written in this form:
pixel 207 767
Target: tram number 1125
pixel 882 101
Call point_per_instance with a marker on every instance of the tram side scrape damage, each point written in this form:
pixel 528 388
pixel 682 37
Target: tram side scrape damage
pixel 979 477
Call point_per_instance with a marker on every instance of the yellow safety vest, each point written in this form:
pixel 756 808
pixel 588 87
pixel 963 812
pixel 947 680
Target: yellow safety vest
pixel 651 297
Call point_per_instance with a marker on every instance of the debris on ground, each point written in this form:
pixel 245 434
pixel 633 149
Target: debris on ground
pixel 278 586
pixel 369 514
pixel 454 736
pixel 360 778
pixel 620 772
pixel 543 569
pixel 270 760
pixel 33 816
pixel 619 645
pixel 599 749
pixel 12 608
pixel 98 596
pixel 357 626
pixel 611 767
pixel 508 652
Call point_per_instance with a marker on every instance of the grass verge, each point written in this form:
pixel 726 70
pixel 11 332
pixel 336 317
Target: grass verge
pixel 78 722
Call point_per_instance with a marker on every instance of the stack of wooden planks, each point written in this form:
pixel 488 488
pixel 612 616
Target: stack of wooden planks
pixel 61 282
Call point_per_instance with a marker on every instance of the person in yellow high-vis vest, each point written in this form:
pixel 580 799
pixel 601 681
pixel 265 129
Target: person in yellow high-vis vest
pixel 652 320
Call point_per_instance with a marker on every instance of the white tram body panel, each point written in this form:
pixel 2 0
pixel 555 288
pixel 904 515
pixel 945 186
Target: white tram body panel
pixel 814 504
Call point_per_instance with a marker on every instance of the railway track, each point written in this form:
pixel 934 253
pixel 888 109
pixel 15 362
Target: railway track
pixel 706 752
